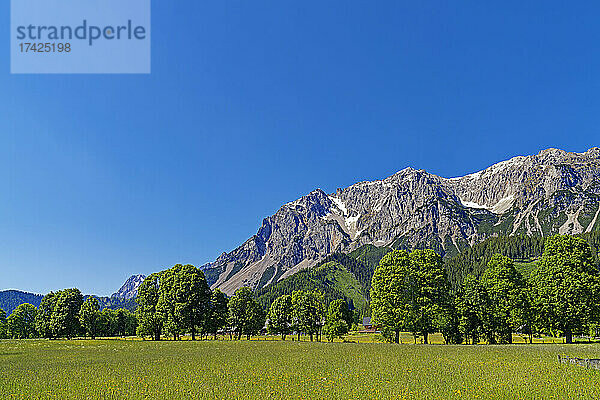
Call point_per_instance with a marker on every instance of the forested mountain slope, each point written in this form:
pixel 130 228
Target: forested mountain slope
pixel 522 249
pixel 11 299
pixel 348 276
pixel 338 276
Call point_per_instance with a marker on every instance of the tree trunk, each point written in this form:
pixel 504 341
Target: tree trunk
pixel 283 336
pixel 568 337
pixel 425 335
pixel 298 336
pixel 193 333
pixel 397 337
pixel 311 337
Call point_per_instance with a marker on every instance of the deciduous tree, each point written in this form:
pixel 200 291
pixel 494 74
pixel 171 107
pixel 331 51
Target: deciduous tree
pixel 430 292
pixel 217 314
pixel 246 316
pixel 3 325
pixel 21 322
pixel 338 320
pixel 390 299
pixel 308 312
pixel 448 323
pixel 507 292
pixel 566 286
pixel 43 320
pixel 89 316
pixel 150 322
pixel 279 318
pixel 184 299
pixel 65 316
pixel 473 305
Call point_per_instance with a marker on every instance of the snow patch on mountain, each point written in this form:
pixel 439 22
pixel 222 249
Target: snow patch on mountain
pixel 500 207
pixel 503 205
pixel 471 204
pixel 339 204
pixel 347 221
pixel 571 225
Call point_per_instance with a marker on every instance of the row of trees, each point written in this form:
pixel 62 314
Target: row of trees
pixel 305 312
pixel 178 301
pixel 65 314
pixel 106 323
pixel 410 292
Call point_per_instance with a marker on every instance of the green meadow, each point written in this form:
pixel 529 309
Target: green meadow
pixel 272 369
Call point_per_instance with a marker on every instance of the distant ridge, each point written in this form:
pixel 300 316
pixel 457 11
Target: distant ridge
pixel 11 299
pixel 123 298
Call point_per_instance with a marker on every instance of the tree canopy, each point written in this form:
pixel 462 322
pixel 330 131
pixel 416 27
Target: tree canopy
pixel 280 318
pixel 308 312
pixel 150 323
pixel 566 286
pixel 508 298
pixel 184 299
pixel 217 315
pixel 409 291
pixel 21 322
pixel 246 316
pixel 89 316
pixel 3 325
pixel 64 318
pixel 338 321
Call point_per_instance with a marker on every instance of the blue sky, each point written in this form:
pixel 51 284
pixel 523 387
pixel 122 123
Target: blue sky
pixel 252 104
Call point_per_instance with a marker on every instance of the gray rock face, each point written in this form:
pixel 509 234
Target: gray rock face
pixel 548 193
pixel 130 287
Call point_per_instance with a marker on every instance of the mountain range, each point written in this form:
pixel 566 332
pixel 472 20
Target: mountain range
pixel 122 298
pixel 344 234
pixel 552 192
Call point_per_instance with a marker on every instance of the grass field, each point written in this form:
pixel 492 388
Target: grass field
pixel 134 369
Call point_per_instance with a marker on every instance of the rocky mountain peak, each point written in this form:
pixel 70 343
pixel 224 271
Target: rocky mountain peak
pixel 594 152
pixel 130 287
pixel 551 192
pixel 552 152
